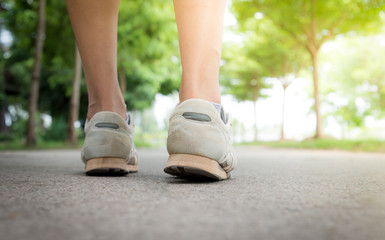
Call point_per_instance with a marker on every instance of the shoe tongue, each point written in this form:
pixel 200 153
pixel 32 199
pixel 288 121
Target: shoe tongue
pixel 220 111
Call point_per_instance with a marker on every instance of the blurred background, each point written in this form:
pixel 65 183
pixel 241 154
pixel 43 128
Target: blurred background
pixel 296 73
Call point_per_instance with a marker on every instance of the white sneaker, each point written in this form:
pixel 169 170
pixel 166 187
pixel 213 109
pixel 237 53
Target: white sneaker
pixel 200 141
pixel 108 148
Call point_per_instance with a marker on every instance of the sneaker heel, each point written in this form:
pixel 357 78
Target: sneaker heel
pixel 108 165
pixel 188 165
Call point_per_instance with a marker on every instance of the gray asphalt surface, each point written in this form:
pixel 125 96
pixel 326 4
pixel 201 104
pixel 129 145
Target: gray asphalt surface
pixel 273 194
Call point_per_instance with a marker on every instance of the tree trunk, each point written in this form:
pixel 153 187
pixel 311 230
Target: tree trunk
pixel 75 98
pixel 314 60
pixel 313 50
pixel 255 121
pixel 283 114
pixel 4 129
pixel 35 81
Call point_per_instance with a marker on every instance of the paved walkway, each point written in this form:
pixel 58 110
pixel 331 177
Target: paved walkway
pixel 274 194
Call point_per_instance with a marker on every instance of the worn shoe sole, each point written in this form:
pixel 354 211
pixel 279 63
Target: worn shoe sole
pixel 109 167
pixel 194 166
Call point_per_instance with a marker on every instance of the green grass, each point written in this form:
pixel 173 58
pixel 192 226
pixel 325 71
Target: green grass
pixel 332 144
pixel 19 145
pixel 348 145
pixel 45 145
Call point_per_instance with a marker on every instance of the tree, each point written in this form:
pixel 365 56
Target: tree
pixel 285 81
pixel 147 50
pixel 35 81
pixel 75 97
pixel 354 86
pixel 147 43
pixel 16 76
pixel 4 130
pixel 264 54
pixel 20 19
pixel 243 78
pixel 313 22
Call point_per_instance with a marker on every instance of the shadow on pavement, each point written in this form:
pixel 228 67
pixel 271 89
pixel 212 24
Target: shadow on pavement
pixel 190 180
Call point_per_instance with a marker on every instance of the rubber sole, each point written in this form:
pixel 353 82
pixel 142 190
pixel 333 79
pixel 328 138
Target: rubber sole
pixel 194 166
pixel 109 167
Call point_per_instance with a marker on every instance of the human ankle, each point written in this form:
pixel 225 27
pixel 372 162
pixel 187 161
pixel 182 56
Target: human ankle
pixel 211 96
pixel 200 86
pixel 119 108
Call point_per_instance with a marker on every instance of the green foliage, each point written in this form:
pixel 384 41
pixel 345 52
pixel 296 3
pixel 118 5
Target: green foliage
pixel 242 76
pixel 263 54
pixel 19 123
pixel 147 50
pixel 147 42
pixel 57 130
pixel 356 76
pixel 330 17
pixel 310 23
pixel 20 18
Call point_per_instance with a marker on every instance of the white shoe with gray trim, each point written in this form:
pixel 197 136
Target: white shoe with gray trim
pixel 200 141
pixel 109 148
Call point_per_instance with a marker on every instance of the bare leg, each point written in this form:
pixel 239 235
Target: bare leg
pixel 200 27
pixel 95 26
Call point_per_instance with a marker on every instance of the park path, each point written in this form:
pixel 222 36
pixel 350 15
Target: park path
pixel 273 194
